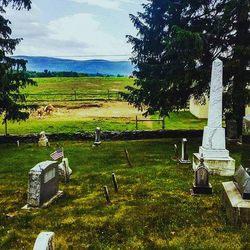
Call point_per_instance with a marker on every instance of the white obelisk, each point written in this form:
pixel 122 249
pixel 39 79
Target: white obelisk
pixel 214 141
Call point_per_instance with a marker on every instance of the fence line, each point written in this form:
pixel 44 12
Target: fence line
pixel 75 96
pixel 144 120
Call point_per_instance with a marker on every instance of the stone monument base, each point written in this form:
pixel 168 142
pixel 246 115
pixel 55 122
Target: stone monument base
pixel 58 195
pixel 184 161
pixel 220 166
pixel 201 190
pixel 237 209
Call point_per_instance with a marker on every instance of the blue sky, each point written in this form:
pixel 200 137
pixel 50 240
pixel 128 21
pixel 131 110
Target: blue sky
pixel 70 28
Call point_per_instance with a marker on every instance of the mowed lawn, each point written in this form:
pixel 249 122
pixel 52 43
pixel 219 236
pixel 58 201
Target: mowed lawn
pixel 153 209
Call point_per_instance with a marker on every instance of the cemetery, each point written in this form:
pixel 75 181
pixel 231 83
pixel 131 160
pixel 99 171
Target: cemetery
pixel 154 155
pixel 128 194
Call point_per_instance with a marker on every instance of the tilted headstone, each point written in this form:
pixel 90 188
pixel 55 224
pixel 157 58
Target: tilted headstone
pixel 176 153
pixel 242 181
pixel 44 241
pixel 64 166
pixel 201 180
pixel 43 183
pixel 184 153
pixel 97 137
pixel 43 140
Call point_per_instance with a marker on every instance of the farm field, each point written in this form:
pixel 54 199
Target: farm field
pixel 77 116
pixel 65 88
pixel 152 210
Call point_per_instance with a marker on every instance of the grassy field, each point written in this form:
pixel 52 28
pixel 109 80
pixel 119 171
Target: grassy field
pixel 85 87
pixel 69 124
pixel 153 209
pixel 71 116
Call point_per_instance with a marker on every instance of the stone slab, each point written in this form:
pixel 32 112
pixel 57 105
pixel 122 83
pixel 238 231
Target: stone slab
pixel 237 209
pixel 223 167
pixel 58 195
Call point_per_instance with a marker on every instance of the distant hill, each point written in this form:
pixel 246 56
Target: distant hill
pixel 39 64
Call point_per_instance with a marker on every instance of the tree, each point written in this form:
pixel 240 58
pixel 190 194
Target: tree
pixel 174 49
pixel 12 71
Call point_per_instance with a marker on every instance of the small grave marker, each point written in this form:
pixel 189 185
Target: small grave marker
pixel 44 241
pixel 201 184
pixel 43 140
pixel 184 153
pixel 115 182
pixel 128 157
pixel 176 153
pixel 97 141
pixel 106 194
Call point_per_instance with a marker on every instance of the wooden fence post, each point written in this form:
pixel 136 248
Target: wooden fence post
pixel 6 126
pixel 108 95
pixel 136 123
pixel 163 122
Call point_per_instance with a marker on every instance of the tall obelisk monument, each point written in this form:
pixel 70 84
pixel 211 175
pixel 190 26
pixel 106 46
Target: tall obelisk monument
pixel 213 147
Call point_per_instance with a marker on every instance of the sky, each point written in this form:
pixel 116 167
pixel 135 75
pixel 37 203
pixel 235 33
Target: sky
pixel 78 29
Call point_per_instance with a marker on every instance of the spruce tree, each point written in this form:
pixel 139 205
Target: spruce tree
pixel 12 71
pixel 176 44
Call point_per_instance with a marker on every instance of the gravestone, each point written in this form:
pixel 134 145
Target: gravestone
pixel 45 241
pixel 43 140
pixel 246 125
pixel 97 141
pixel 201 180
pixel 213 148
pixel 232 129
pixel 175 157
pixel 43 185
pixel 64 168
pixel 184 153
pixel 242 182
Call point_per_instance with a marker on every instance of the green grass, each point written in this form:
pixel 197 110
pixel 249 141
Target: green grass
pixel 85 87
pixel 179 121
pixel 153 209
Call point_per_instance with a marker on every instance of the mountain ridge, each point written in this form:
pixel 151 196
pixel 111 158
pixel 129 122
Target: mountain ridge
pixel 92 66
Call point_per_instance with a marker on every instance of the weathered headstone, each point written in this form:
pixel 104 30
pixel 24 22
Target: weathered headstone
pixel 246 125
pixel 232 130
pixel 106 194
pixel 64 169
pixel 45 241
pixel 97 141
pixel 201 180
pixel 43 185
pixel 43 140
pixel 184 153
pixel 213 148
pixel 242 182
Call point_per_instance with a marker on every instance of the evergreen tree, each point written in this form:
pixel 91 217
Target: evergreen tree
pixel 12 71
pixel 176 44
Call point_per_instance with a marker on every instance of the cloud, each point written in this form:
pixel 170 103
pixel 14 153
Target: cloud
pixel 84 28
pixel 70 36
pixel 106 4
